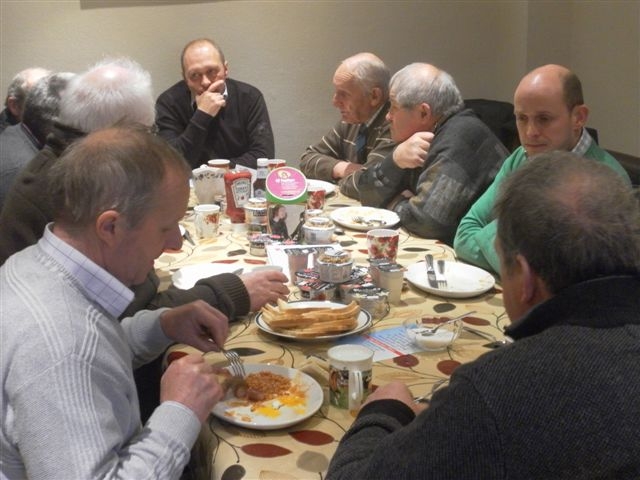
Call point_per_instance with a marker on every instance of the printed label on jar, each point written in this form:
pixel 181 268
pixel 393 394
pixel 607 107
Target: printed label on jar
pixel 241 189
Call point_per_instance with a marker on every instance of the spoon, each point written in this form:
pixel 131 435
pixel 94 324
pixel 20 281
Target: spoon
pixel 426 332
pixel 495 343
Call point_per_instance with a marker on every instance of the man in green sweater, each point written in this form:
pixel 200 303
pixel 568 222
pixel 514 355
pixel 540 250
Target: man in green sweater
pixel 550 115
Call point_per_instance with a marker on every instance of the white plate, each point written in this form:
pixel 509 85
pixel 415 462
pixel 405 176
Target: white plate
pixel 238 413
pixel 186 277
pixel 344 216
pixel 329 188
pixel 463 280
pixel 364 322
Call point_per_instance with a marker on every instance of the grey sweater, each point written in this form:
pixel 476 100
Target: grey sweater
pixel 69 401
pixel 559 403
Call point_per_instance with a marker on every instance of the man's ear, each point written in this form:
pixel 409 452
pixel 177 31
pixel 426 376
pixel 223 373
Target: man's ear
pixel 376 96
pixel 580 115
pixel 12 105
pixel 108 227
pixel 533 289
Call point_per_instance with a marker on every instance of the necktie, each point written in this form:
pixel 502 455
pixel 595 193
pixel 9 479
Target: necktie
pixel 361 141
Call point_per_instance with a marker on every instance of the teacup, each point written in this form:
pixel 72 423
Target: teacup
pixel 383 243
pixel 208 183
pixel 350 372
pixel 207 218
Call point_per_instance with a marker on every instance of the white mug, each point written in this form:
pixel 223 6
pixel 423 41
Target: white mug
pixel 208 183
pixel 349 375
pixel 207 218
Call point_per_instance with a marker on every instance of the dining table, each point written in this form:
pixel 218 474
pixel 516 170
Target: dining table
pixel 227 451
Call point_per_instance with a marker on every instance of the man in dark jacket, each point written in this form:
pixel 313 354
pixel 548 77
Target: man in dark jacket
pixel 208 115
pixel 561 401
pixel 445 158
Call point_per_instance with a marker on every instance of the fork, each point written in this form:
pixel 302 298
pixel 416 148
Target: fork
pixel 235 362
pixel 442 281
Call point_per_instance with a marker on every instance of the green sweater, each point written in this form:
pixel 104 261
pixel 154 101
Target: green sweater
pixel 477 230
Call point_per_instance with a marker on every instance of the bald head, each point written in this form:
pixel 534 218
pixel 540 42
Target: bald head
pixel 366 69
pixel 552 80
pixel 20 86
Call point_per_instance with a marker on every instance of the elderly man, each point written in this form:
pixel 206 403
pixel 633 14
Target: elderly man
pixel 120 90
pixel 17 93
pixel 209 115
pixel 20 143
pixel 67 379
pixel 361 138
pixel 445 158
pixel 550 115
pixel 561 401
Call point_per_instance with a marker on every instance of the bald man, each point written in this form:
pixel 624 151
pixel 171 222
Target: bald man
pixel 361 138
pixel 209 115
pixel 17 92
pixel 550 115
pixel 445 158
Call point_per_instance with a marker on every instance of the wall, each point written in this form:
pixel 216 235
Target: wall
pixel 289 49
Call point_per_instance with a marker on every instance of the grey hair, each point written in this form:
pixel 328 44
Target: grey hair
pixel 22 83
pixel 370 72
pixel 111 91
pixel 120 168
pixel 416 84
pixel 572 218
pixel 43 104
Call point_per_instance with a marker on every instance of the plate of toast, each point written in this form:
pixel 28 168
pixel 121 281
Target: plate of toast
pixel 312 320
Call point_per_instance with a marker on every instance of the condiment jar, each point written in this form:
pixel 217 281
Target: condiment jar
pixel 238 189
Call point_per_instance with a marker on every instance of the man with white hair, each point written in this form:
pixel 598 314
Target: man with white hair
pixel 17 93
pixel 111 91
pixel 20 143
pixel 361 138
pixel 445 158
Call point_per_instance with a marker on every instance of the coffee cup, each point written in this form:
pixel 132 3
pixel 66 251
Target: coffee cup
pixel 208 184
pixel 276 163
pixel 207 218
pixel 350 372
pixel 383 243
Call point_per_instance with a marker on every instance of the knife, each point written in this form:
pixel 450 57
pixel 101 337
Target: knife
pixel 431 274
pixel 188 238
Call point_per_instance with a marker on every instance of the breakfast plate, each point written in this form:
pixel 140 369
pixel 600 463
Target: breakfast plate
pixel 463 281
pixel 280 412
pixel 329 188
pixel 364 218
pixel 364 322
pixel 186 277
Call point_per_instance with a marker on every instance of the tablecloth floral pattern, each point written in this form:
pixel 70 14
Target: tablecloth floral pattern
pixel 303 451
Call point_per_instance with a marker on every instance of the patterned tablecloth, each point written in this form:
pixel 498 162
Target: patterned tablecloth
pixel 303 451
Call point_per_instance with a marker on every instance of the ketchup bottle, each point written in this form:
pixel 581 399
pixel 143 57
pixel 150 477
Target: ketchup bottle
pixel 237 184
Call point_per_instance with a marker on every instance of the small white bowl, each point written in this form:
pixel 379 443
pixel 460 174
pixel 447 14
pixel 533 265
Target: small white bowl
pixel 440 340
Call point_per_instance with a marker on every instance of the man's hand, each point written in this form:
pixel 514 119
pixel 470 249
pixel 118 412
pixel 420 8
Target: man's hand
pixel 413 152
pixel 192 382
pixel 396 391
pixel 212 100
pixel 265 287
pixel 343 169
pixel 197 324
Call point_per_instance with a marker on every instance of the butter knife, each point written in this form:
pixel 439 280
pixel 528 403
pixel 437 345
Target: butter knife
pixel 431 273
